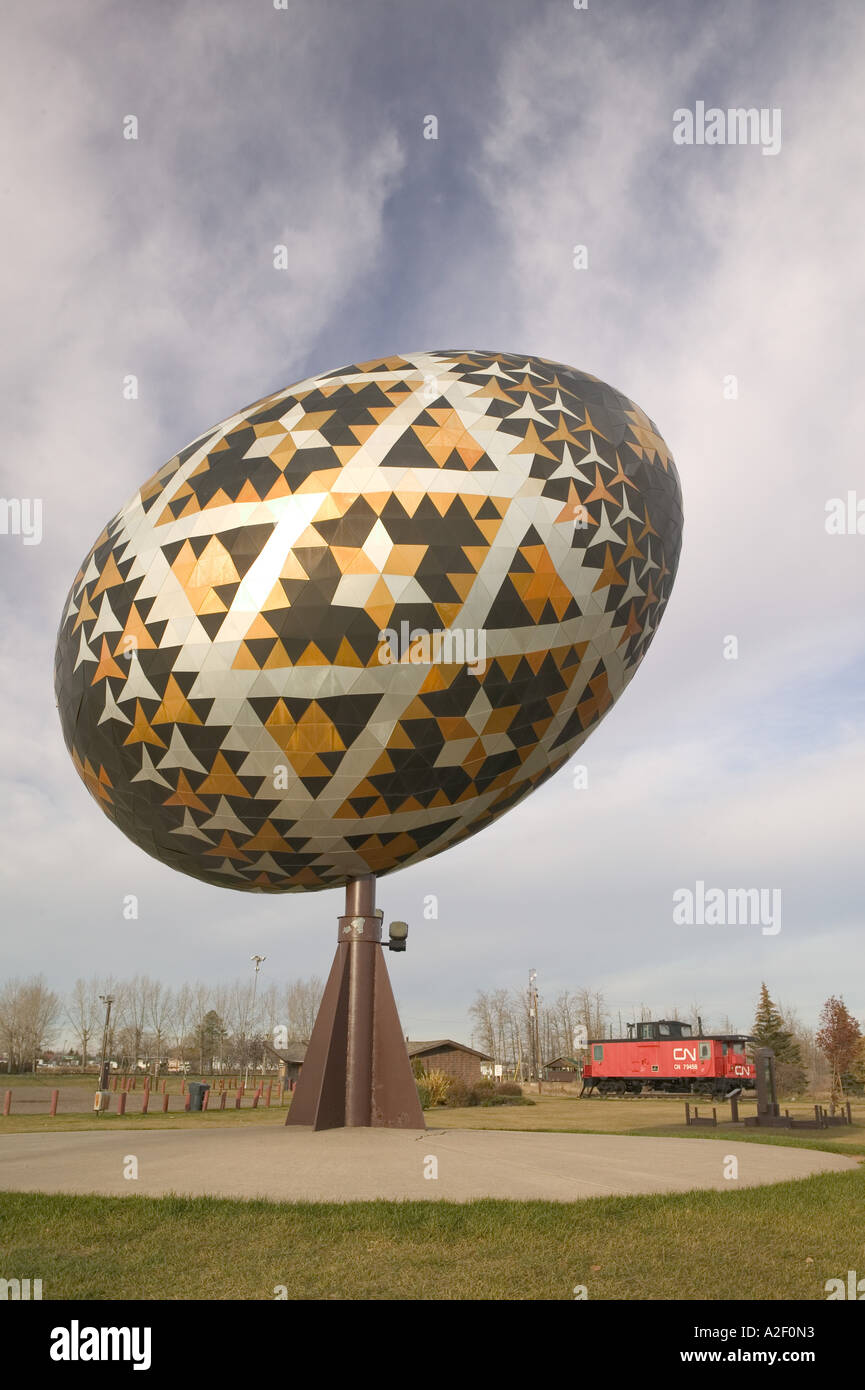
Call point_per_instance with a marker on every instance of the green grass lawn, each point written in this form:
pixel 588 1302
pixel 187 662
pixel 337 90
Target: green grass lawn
pixel 776 1242
pixel 781 1241
pixel 662 1116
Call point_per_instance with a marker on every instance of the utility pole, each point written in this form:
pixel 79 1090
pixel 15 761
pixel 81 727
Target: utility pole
pixel 107 1000
pixel 534 1026
pixel 258 960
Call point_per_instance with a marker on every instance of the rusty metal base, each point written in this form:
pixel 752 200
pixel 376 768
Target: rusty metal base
pixel 357 1070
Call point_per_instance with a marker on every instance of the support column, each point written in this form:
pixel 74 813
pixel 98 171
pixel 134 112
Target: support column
pixel 360 915
pixel 357 1071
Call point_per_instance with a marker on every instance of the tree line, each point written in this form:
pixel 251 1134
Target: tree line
pixel 227 1025
pixel 206 1025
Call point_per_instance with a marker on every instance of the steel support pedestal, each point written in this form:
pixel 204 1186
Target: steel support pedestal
pixel 357 1070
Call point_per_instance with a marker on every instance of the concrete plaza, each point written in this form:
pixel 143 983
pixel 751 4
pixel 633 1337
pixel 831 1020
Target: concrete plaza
pixel 295 1164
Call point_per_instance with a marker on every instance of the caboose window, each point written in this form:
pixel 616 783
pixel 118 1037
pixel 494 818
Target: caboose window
pixel 664 1029
pixel 705 1051
pixel 598 1052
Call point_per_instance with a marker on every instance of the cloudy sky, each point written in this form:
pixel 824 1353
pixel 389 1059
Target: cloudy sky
pixel 305 126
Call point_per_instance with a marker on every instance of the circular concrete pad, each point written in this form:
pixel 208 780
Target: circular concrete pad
pixel 296 1164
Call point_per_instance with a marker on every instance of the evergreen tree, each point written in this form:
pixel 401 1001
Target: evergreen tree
pixel 211 1034
pixel 768 1031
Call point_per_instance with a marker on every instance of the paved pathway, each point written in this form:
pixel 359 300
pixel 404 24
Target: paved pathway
pixel 291 1164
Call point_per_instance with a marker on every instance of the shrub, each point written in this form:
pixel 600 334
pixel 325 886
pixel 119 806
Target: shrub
pixel 423 1092
pixel 506 1100
pixel 508 1088
pixel 460 1094
pixel 439 1085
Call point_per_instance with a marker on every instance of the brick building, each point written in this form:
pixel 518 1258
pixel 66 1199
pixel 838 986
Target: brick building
pixel 567 1069
pixel 290 1060
pixel 443 1054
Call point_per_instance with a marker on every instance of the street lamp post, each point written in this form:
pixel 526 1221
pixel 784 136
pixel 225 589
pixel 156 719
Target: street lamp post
pixel 107 1000
pixel 258 960
pixel 534 1025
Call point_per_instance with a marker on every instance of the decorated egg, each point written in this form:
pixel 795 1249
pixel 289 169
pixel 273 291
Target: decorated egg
pixel 359 620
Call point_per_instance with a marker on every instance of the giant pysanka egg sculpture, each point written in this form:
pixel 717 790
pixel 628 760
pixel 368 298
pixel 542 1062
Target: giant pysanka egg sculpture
pixel 362 618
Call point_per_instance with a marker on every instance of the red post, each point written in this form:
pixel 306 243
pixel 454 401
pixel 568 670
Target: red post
pixel 256 1098
pixel 269 1089
pixel 7 1103
pixel 222 1100
pixel 204 1100
pixel 242 1088
pixel 54 1098
pixel 163 1087
pixel 238 1098
pixel 114 1083
pixel 164 1102
pixel 188 1100
pixel 121 1103
pixel 145 1100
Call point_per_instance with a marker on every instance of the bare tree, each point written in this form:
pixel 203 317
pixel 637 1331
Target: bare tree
pixel 219 1003
pixel 592 1012
pixel 82 1012
pixel 302 1000
pixel 183 1017
pixel 134 998
pixel 12 1024
pixel 270 1010
pixel 240 1016
pixel 481 1012
pixel 28 1012
pixel 159 1011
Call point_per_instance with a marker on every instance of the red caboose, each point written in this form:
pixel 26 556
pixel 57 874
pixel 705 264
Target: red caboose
pixel 667 1056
